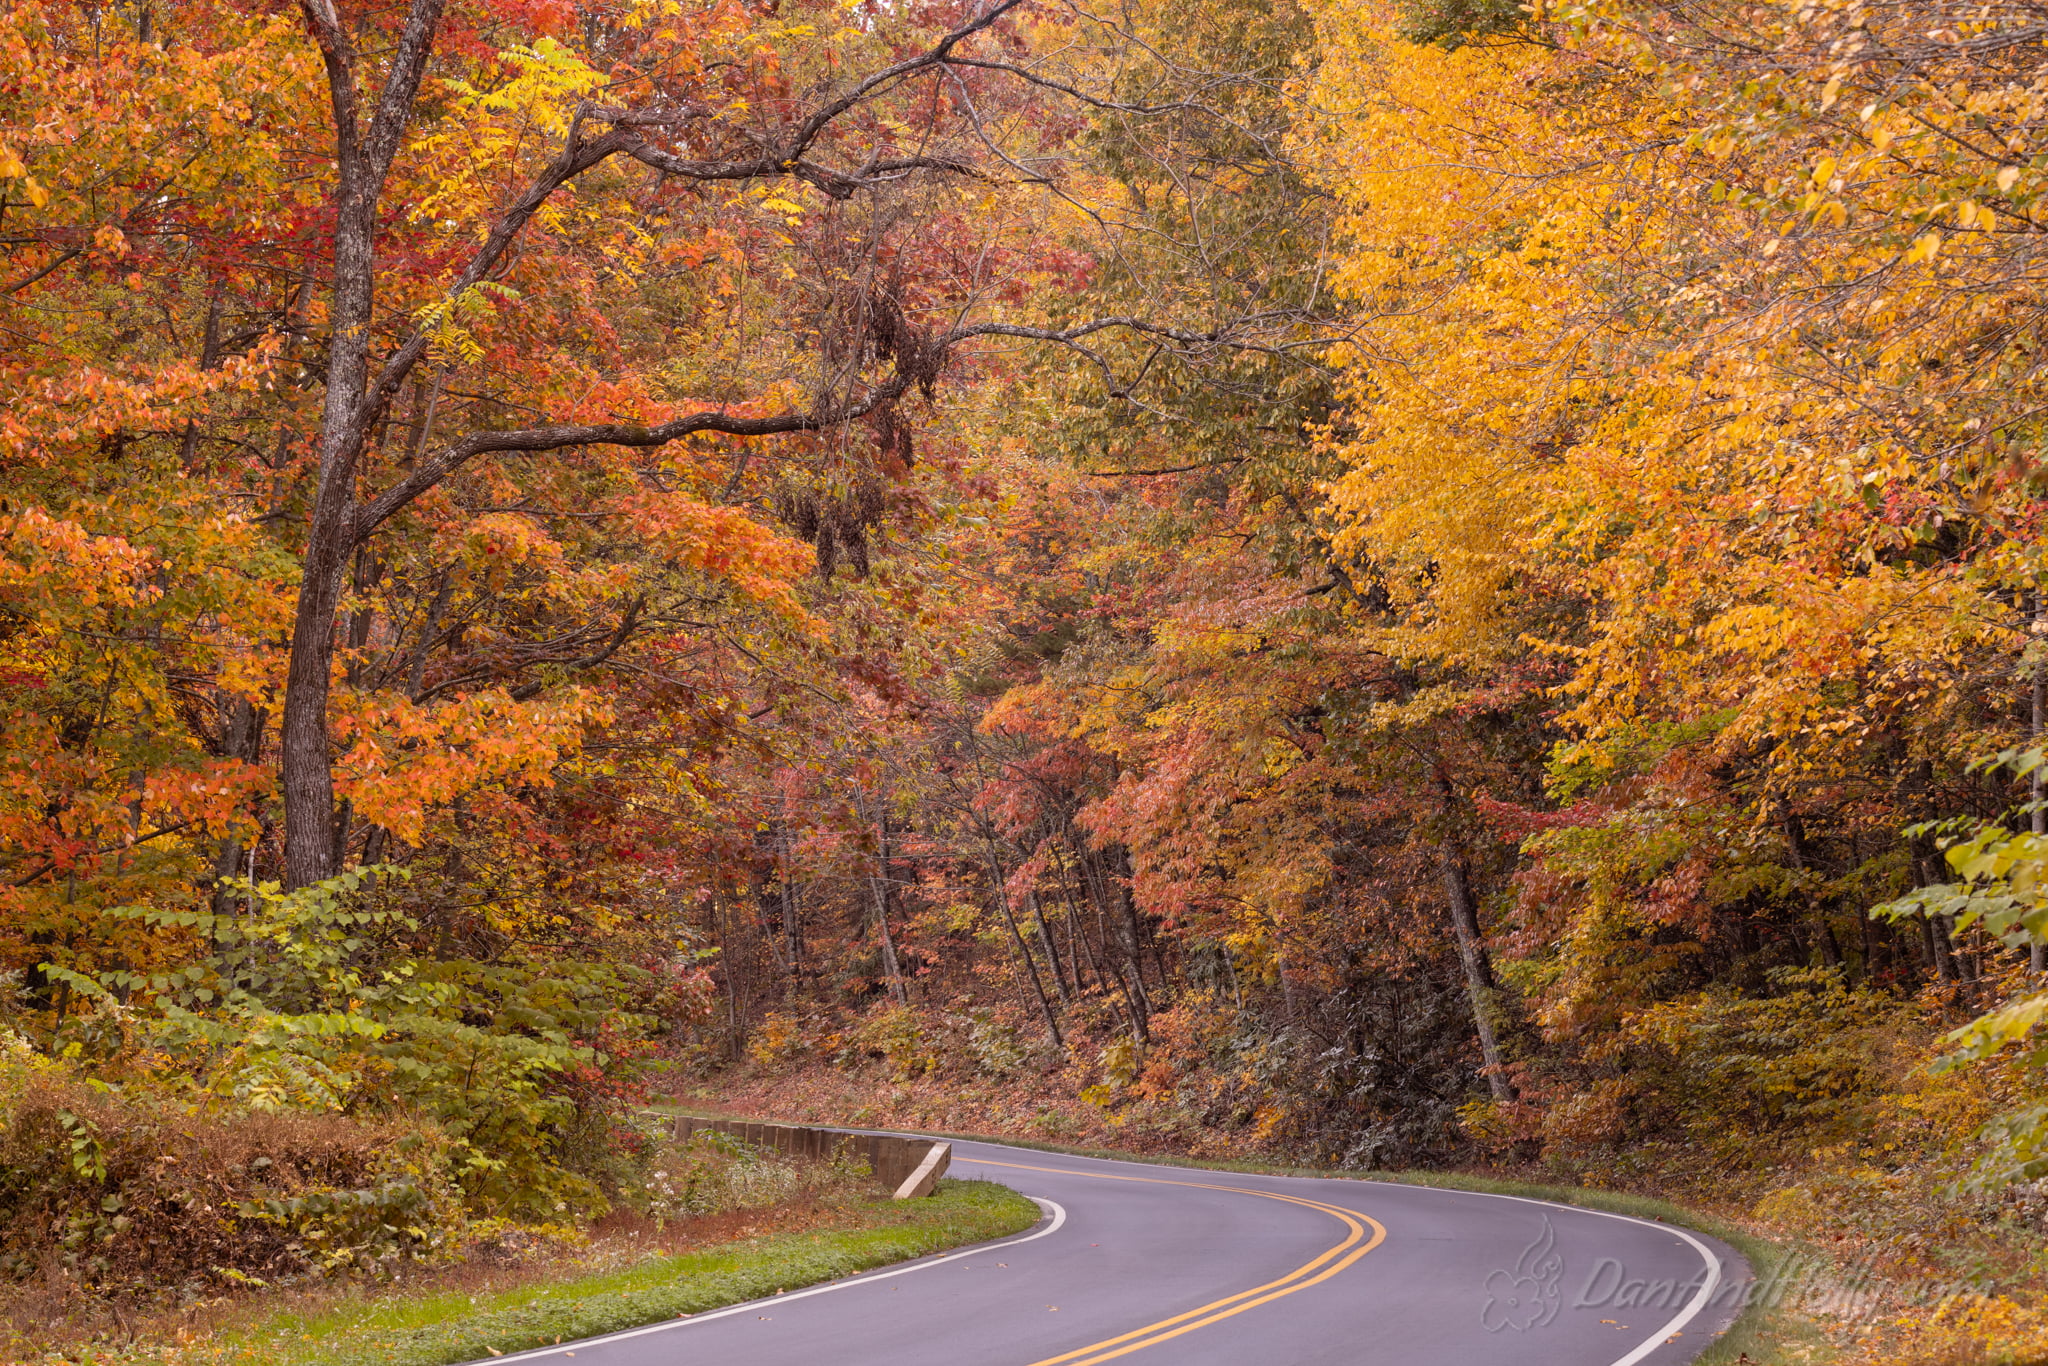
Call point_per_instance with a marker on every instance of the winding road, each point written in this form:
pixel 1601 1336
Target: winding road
pixel 1179 1266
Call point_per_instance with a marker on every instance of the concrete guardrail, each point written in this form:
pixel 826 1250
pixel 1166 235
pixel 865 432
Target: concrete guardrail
pixel 908 1166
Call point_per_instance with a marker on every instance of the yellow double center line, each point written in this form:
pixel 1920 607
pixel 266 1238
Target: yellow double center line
pixel 1355 1245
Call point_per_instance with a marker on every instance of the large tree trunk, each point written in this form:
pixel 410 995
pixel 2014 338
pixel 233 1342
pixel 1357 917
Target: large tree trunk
pixel 362 161
pixel 307 769
pixel 357 392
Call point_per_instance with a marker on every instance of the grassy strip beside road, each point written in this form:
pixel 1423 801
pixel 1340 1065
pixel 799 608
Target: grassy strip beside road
pixel 436 1330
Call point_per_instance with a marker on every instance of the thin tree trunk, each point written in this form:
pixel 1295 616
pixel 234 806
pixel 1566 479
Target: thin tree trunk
pixel 209 356
pixel 726 939
pixel 1939 953
pixel 1930 944
pixel 1135 1002
pixel 2037 819
pixel 1290 1009
pixel 416 673
pixel 244 741
pixel 1795 845
pixel 1125 919
pixel 344 818
pixel 1114 905
pixel 791 934
pixel 765 907
pixel 1076 941
pixel 1952 962
pixel 1105 969
pixel 1002 898
pixel 1052 948
pixel 879 883
pixel 1134 929
pixel 1078 944
pixel 1866 933
pixel 1830 947
pixel 1919 786
pixel 1479 982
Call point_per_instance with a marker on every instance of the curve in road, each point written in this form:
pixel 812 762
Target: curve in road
pixel 1187 1267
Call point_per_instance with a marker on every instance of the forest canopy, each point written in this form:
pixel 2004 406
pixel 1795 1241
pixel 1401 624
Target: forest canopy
pixel 1382 582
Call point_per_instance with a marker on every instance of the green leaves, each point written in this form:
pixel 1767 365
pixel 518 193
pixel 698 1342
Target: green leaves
pixel 1992 1033
pixel 2004 874
pixel 2004 887
pixel 314 1000
pixel 88 1158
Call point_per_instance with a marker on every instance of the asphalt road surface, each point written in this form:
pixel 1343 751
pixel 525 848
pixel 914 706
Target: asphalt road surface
pixel 1176 1266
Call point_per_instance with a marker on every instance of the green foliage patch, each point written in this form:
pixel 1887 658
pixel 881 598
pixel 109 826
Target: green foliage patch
pixel 319 1001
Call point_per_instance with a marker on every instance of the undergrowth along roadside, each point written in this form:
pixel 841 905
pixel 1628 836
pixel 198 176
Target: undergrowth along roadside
pixel 445 1328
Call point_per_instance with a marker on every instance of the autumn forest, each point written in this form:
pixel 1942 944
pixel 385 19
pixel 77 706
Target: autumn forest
pixel 1375 584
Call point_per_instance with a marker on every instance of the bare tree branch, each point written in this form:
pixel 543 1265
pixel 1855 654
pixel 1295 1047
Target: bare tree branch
pixel 369 516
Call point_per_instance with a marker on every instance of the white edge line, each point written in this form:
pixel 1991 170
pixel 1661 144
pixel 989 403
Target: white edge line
pixel 1663 1335
pixel 1685 1315
pixel 1053 1208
